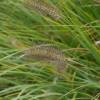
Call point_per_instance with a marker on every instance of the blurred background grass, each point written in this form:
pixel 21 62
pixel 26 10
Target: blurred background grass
pixel 74 33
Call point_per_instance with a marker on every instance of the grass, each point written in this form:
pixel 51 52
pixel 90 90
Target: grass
pixel 73 34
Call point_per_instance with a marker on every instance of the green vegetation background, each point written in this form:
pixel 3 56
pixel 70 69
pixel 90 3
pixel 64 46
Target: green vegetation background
pixel 75 33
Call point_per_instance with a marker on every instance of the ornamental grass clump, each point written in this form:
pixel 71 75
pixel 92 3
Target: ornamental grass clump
pixel 49 50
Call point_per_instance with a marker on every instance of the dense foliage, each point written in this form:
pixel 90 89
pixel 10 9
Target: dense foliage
pixel 48 50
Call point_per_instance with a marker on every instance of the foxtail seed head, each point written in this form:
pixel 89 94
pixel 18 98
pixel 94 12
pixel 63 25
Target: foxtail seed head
pixel 97 1
pixel 97 43
pixel 47 53
pixel 44 8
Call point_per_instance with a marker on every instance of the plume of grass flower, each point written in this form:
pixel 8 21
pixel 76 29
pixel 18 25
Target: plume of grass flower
pixel 44 8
